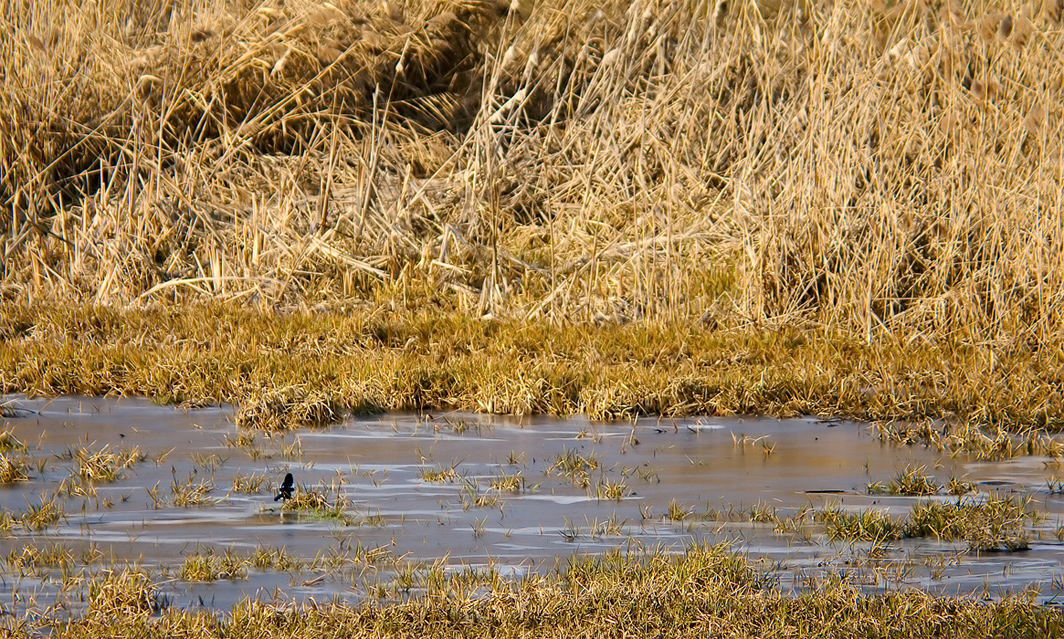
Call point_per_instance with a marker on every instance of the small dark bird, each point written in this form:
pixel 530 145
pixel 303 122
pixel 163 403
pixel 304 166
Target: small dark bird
pixel 285 492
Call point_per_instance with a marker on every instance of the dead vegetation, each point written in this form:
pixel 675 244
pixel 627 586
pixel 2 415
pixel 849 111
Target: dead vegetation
pixel 285 369
pixel 702 591
pixel 878 167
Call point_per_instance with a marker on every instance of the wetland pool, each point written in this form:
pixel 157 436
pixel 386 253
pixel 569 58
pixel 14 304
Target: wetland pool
pixel 188 497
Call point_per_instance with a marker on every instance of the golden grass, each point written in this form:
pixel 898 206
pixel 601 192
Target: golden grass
pixel 408 359
pixel 701 592
pixel 877 167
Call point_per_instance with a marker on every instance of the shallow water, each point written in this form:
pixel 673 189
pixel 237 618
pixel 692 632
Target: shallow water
pixel 379 464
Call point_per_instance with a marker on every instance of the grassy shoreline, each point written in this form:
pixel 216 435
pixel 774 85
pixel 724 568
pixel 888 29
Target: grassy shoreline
pixel 286 368
pixel 705 591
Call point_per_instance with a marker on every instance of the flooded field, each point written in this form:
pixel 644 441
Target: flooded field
pixel 382 503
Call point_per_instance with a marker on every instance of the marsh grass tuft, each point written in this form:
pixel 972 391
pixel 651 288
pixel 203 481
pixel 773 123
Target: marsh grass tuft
pixel 575 466
pixel 54 555
pixel 440 474
pixel 10 443
pixel 677 512
pixel 189 492
pixel 913 481
pixel 43 515
pixel 864 525
pixel 123 596
pixel 13 469
pixel 103 465
pixel 324 501
pixel 274 558
pixel 998 523
pixel 508 482
pixel 614 490
pixel 211 567
pixel 995 523
pixel 251 483
pixel 472 497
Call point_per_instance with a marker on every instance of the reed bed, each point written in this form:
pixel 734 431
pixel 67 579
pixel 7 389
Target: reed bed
pixel 991 399
pixel 878 167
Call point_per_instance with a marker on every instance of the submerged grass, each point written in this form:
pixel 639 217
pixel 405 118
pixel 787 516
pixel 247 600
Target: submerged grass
pixel 700 592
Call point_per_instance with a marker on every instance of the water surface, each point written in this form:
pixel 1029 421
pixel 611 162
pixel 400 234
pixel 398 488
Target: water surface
pixel 382 468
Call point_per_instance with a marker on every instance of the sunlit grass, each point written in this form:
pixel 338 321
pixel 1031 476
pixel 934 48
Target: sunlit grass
pixel 101 465
pixel 607 371
pixel 211 567
pixel 250 483
pixel 911 481
pixel 13 468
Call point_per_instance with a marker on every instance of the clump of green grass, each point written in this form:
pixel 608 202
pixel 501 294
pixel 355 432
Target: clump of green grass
pixel 677 512
pixel 607 489
pixel 325 501
pixel 43 515
pixel 190 492
pixel 472 497
pixel 7 520
pixel 998 523
pixel 508 482
pixel 209 462
pixel 75 486
pixel 52 555
pixel 274 558
pixel 959 487
pixel 440 474
pixel 763 514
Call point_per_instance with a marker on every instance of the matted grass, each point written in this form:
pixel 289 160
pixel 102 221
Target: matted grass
pixel 370 359
pixel 876 166
pixel 703 592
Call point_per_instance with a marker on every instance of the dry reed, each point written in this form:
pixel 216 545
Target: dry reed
pixel 877 167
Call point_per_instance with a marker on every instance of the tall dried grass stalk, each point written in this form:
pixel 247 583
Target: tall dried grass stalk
pixel 875 166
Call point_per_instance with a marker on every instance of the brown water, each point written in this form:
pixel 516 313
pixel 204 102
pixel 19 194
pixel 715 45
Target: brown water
pixel 379 463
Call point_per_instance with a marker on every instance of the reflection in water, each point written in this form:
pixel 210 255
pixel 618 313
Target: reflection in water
pixel 519 495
